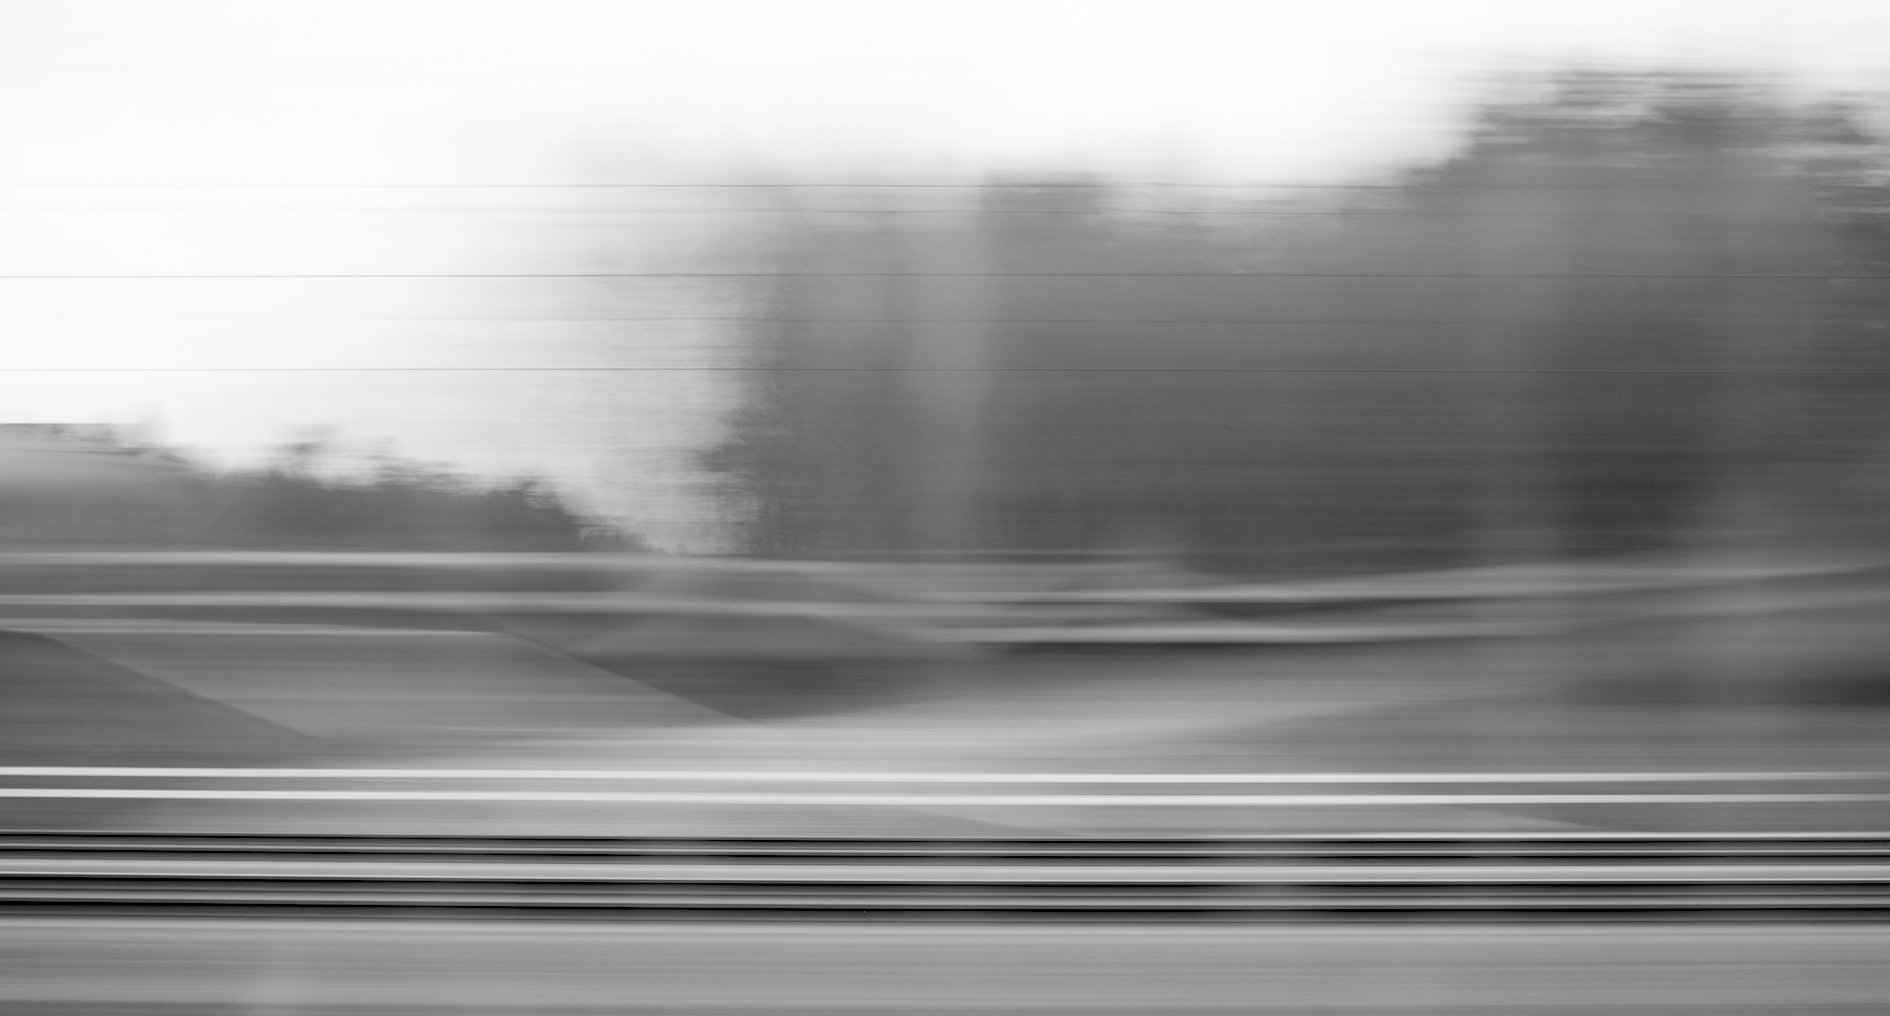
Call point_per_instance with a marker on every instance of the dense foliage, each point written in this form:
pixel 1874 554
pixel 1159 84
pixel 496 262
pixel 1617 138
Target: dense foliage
pixel 1635 312
pixel 88 491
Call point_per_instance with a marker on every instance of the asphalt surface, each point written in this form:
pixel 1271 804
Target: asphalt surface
pixel 283 968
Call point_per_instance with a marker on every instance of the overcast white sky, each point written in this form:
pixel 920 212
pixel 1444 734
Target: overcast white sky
pixel 219 131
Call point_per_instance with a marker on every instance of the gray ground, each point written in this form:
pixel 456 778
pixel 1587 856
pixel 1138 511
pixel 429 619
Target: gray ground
pixel 285 968
pixel 477 700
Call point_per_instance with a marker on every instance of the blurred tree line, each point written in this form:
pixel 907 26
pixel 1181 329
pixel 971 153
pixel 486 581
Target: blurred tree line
pixel 1636 312
pixel 79 488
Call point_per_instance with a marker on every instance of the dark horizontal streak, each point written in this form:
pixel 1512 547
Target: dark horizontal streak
pixel 983 275
pixel 1401 322
pixel 1101 186
pixel 1004 211
pixel 1357 213
pixel 754 319
pixel 991 370
pixel 1238 212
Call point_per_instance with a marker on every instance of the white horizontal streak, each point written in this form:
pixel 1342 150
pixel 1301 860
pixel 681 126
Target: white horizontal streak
pixel 788 776
pixel 931 800
pixel 943 873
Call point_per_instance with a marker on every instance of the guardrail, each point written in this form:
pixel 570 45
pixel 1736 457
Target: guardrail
pixel 993 790
pixel 987 617
pixel 1616 876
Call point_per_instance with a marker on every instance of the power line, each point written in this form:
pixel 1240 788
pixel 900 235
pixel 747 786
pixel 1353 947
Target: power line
pixel 780 185
pixel 606 319
pixel 1386 213
pixel 988 275
pixel 992 369
pixel 823 320
pixel 1102 186
pixel 1096 322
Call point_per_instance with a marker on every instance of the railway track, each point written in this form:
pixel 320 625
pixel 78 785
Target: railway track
pixel 1511 877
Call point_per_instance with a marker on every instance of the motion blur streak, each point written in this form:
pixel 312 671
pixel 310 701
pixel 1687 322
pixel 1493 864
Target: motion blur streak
pixel 703 508
pixel 763 776
pixel 922 800
pixel 135 967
